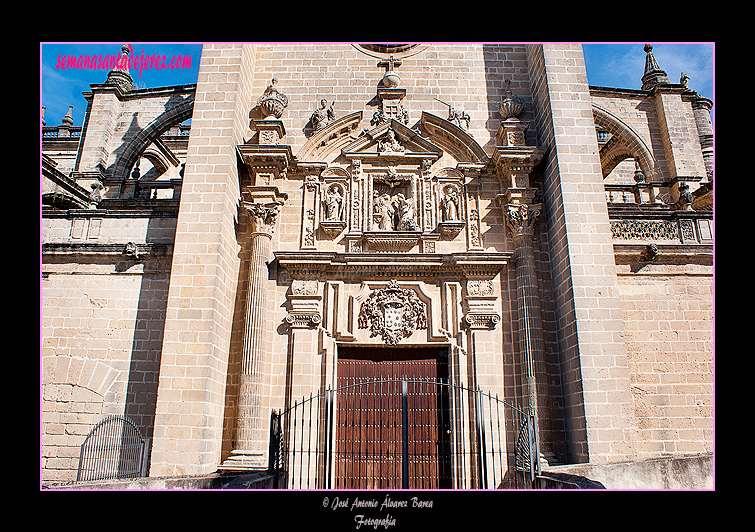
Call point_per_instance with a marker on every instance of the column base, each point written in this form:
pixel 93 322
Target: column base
pixel 242 460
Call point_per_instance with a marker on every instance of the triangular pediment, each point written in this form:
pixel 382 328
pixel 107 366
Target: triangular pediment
pixel 391 139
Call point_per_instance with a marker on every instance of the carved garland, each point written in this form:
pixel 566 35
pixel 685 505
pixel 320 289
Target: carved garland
pixel 393 313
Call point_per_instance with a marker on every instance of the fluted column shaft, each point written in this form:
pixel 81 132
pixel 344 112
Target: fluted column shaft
pixel 521 219
pixel 251 439
pixel 530 324
pixel 250 422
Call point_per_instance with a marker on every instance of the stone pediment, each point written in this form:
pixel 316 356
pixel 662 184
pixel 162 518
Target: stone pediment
pixel 330 138
pixel 392 140
pixel 456 141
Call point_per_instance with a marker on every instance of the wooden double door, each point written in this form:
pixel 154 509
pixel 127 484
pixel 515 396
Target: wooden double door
pixel 371 426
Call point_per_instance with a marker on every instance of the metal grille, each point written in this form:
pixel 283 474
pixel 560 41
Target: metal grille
pixel 113 449
pixel 416 433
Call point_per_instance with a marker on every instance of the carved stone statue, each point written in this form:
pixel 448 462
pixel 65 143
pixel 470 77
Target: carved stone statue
pixel 383 210
pixel 333 205
pixel 391 144
pixel 324 115
pixel 450 203
pixel 405 213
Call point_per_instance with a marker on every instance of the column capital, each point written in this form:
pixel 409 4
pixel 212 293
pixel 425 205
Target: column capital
pixel 521 218
pixel 263 216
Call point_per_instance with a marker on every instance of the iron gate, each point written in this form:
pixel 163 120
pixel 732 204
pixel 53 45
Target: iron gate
pixel 408 433
pixel 113 449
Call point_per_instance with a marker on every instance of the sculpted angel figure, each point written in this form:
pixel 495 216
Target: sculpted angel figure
pixel 383 210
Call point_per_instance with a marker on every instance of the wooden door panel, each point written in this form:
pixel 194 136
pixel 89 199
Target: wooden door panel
pixel 369 419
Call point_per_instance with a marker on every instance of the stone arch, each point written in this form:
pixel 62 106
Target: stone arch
pixel 160 163
pixel 628 144
pixel 146 136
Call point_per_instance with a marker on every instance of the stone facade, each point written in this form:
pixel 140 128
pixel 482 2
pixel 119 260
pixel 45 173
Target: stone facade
pixel 196 284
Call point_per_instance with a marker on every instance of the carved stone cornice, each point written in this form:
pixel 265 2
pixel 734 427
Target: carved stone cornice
pixel 361 266
pixel 265 163
pixel 515 163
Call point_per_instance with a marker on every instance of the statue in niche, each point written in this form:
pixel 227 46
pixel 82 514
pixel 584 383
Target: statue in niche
pixel 333 205
pixel 383 211
pixel 323 116
pixel 404 213
pixel 391 144
pixel 450 204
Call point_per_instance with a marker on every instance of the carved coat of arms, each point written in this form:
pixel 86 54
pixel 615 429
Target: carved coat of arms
pixel 393 313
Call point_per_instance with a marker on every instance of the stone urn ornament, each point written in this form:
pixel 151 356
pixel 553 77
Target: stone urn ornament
pixel 272 102
pixel 512 105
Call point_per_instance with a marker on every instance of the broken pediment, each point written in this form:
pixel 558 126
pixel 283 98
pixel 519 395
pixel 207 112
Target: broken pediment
pixel 455 140
pixel 392 140
pixel 331 138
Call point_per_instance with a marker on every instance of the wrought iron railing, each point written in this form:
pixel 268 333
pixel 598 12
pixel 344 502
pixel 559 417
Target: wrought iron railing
pixel 113 449
pixel 411 433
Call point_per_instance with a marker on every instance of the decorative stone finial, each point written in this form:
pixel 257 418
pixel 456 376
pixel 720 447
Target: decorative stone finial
pixel 68 119
pixel 639 177
pixel 43 116
pixel 120 75
pixel 653 75
pixel 512 105
pixel 272 102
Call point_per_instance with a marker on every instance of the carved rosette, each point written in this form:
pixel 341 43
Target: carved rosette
pixel 521 218
pixel 393 313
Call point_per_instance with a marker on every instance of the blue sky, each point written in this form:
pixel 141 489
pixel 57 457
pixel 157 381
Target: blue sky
pixel 621 65
pixel 60 88
pixel 618 65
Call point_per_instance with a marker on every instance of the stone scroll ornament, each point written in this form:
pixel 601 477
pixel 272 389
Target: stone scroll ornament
pixel 393 313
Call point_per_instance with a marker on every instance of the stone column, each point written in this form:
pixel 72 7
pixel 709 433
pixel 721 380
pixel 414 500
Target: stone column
pixel 251 430
pixel 521 219
pixel 265 162
pixel 515 162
